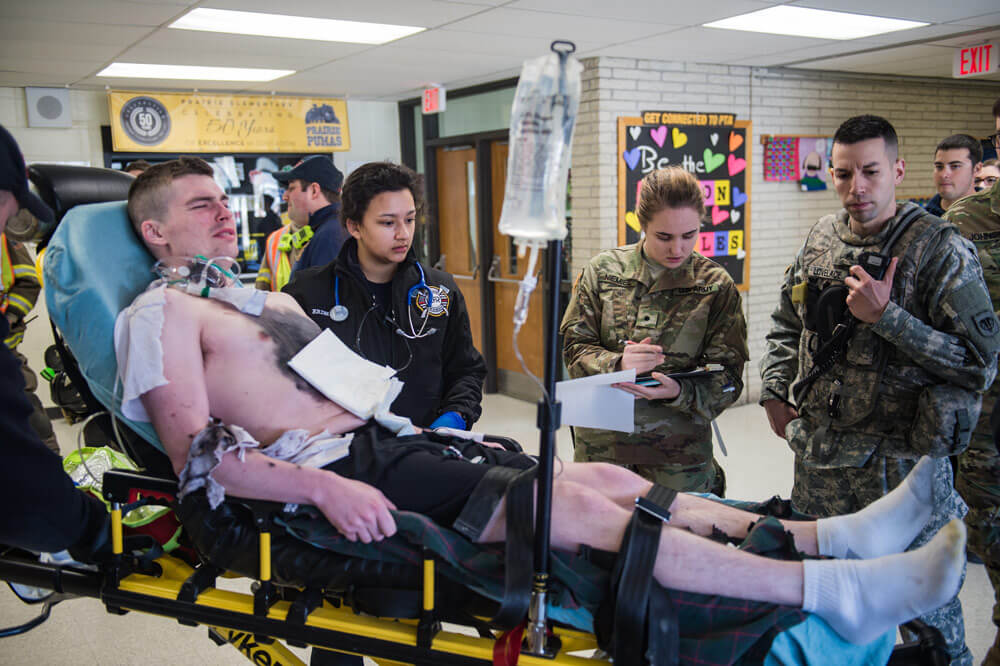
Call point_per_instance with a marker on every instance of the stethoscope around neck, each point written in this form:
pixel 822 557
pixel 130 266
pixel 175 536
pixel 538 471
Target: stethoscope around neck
pixel 340 313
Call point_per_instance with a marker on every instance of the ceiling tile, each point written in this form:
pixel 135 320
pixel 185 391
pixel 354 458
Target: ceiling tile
pixel 930 32
pixel 674 12
pixel 978 21
pixel 424 13
pixel 979 37
pixel 474 44
pixel 503 22
pixel 105 12
pixel 19 79
pixel 710 45
pixel 211 48
pixel 12 50
pixel 160 84
pixel 930 12
pixel 70 33
pixel 69 71
pixel 917 60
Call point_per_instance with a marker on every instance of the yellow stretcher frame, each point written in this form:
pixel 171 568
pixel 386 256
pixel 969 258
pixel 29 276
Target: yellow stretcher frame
pixel 263 615
pixel 378 638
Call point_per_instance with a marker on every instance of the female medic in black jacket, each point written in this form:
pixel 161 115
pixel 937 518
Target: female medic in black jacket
pixel 387 306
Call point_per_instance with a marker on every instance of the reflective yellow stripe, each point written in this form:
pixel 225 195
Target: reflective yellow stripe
pixel 6 271
pixel 278 263
pixel 13 340
pixel 19 303
pixel 25 270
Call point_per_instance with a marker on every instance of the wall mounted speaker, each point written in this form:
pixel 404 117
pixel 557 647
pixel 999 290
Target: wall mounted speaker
pixel 48 107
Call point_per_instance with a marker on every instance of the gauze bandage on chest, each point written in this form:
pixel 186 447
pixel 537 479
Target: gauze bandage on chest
pixel 361 387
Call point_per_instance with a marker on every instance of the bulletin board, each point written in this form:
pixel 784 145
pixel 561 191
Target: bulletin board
pixel 719 156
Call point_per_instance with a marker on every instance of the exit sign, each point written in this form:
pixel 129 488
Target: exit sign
pixel 976 60
pixel 434 99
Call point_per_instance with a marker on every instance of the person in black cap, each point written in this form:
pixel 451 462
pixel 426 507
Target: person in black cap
pixel 42 510
pixel 314 238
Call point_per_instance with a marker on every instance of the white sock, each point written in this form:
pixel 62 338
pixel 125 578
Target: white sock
pixel 886 526
pixel 861 599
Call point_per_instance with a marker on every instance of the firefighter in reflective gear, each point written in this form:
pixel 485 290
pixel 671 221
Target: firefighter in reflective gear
pixel 315 235
pixel 284 247
pixel 19 289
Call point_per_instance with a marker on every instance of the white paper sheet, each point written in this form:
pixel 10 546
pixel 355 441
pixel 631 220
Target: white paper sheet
pixel 591 402
pixel 356 384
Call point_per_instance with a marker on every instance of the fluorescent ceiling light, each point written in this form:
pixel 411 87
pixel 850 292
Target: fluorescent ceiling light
pixel 292 27
pixel 131 70
pixel 819 23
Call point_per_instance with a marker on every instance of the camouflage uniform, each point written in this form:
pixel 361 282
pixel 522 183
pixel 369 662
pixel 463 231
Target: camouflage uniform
pixel 864 423
pixel 978 475
pixel 693 311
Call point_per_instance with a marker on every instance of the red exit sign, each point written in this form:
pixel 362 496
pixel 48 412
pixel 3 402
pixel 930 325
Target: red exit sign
pixel 976 60
pixel 434 99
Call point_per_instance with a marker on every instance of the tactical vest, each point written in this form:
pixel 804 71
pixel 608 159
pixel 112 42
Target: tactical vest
pixel 871 393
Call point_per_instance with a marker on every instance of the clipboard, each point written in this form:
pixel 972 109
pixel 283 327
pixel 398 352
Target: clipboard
pixel 703 371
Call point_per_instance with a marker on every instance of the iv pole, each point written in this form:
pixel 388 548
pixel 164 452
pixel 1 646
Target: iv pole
pixel 549 419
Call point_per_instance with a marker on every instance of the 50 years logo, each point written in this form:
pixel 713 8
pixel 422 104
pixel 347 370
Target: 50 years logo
pixel 145 120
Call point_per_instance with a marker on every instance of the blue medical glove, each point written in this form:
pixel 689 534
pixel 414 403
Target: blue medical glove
pixel 449 420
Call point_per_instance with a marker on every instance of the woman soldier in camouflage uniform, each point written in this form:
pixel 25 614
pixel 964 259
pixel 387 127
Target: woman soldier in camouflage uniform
pixel 659 306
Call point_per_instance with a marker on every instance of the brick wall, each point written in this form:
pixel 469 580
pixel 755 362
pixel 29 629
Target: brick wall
pixel 778 102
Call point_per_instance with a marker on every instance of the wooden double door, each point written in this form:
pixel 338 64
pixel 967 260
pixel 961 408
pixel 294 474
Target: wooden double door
pixel 469 177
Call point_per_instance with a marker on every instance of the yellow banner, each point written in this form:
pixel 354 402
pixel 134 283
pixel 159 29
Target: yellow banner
pixel 155 122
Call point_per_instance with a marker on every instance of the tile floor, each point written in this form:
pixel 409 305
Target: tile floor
pixel 80 631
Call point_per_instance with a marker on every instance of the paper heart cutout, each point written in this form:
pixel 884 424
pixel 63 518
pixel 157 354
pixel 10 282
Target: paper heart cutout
pixel 714 137
pixel 736 216
pixel 632 157
pixel 740 253
pixel 635 132
pixel 659 135
pixel 718 215
pixel 680 138
pixel 739 198
pixel 736 164
pixel 632 220
pixel 735 141
pixel 712 160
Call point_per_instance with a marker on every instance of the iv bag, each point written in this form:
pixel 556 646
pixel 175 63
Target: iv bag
pixel 541 135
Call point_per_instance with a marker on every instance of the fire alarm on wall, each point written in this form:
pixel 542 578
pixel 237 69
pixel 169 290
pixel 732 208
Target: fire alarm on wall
pixel 48 107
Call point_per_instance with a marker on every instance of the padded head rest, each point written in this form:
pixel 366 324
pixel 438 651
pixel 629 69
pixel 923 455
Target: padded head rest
pixel 95 266
pixel 63 186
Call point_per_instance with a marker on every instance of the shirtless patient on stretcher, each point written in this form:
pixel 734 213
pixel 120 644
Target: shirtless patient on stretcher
pixel 218 362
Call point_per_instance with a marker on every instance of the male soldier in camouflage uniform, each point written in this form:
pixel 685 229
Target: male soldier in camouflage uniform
pixel 978 475
pixel 889 368
pixel 686 316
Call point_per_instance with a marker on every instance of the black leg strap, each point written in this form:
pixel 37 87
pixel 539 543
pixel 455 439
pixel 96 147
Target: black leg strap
pixel 644 626
pixel 519 560
pixel 657 502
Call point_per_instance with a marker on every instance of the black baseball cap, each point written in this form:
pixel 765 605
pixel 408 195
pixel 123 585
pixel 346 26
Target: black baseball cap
pixel 14 178
pixel 315 169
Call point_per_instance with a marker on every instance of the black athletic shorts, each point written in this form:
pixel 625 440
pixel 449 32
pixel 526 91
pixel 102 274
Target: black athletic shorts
pixel 432 474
